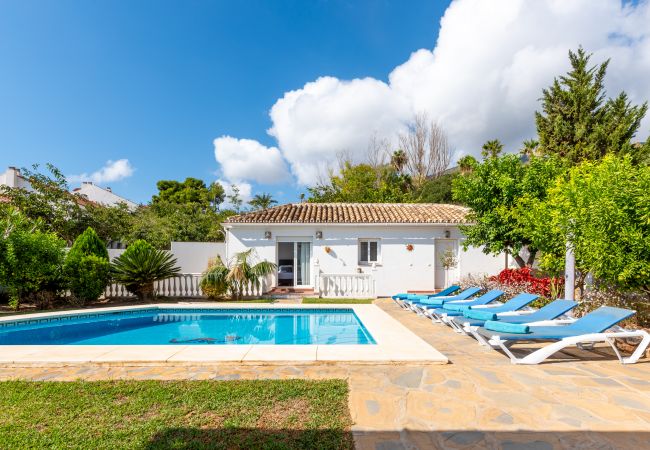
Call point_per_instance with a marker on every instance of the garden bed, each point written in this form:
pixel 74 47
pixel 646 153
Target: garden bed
pixel 287 414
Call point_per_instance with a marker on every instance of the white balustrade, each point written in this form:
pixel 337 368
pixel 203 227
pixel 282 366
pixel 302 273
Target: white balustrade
pixel 187 285
pixel 347 285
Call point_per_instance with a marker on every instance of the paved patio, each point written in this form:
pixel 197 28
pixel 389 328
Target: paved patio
pixel 479 400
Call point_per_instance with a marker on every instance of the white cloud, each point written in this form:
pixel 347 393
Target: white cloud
pixel 329 116
pixel 246 159
pixel 112 171
pixel 245 191
pixel 481 81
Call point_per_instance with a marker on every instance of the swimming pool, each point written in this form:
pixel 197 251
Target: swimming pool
pixel 178 326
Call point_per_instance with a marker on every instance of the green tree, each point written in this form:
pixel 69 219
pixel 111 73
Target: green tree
pixel 437 190
pixel 398 160
pixel 147 225
pixel 493 190
pixel 577 122
pixel 603 208
pixel 234 198
pixel 262 201
pixel 467 163
pixel 361 183
pixel 86 268
pixel 111 223
pixel 31 259
pixel 48 201
pixel 492 149
pixel 191 191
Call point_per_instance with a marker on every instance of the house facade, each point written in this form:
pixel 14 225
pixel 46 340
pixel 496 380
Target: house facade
pixel 350 249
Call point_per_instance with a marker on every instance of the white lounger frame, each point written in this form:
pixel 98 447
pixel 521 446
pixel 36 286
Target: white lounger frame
pixel 584 341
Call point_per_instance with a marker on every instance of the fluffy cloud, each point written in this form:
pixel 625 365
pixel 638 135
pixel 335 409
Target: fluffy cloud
pixel 330 116
pixel 245 191
pixel 112 171
pixel 481 81
pixel 246 159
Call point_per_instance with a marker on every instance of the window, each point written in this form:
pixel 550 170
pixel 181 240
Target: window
pixel 368 251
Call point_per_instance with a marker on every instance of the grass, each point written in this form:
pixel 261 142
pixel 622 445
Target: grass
pixel 275 414
pixel 342 301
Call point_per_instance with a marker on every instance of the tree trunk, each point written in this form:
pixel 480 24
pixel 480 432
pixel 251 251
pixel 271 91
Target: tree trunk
pixel 520 261
pixel 531 257
pixel 145 292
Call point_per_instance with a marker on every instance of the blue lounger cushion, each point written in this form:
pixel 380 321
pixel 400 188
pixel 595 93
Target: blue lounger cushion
pixel 456 307
pixel 514 328
pixel 480 314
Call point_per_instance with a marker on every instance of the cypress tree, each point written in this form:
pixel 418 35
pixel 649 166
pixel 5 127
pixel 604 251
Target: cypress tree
pixel 579 123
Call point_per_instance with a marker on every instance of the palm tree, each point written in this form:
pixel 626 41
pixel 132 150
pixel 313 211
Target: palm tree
pixel 530 147
pixel 140 266
pixel 398 160
pixel 491 149
pixel 237 275
pixel 467 163
pixel 262 201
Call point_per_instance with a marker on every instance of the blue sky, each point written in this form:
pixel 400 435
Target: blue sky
pixel 156 81
pixel 266 94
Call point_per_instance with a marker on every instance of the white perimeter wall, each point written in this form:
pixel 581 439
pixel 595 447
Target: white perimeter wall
pixel 192 257
pixel 399 270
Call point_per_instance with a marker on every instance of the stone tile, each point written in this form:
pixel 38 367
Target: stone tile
pixel 139 353
pixel 199 353
pixel 281 353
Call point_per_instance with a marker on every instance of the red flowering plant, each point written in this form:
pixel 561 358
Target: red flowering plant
pixel 516 281
pixel 525 279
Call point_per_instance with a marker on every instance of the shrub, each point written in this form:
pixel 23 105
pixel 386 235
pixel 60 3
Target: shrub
pixel 214 283
pixel 90 276
pixel 523 278
pixel 87 268
pixel 140 266
pixel 31 260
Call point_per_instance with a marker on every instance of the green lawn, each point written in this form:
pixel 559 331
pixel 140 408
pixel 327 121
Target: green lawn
pixel 338 301
pixel 273 414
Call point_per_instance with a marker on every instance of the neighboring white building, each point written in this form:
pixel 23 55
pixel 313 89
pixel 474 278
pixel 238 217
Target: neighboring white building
pixel 356 249
pixel 12 178
pixel 102 196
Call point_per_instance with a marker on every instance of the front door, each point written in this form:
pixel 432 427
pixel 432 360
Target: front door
pixel 446 251
pixel 294 263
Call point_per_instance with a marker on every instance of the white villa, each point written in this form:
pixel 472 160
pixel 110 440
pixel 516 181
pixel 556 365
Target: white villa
pixel 88 190
pixel 103 196
pixel 359 249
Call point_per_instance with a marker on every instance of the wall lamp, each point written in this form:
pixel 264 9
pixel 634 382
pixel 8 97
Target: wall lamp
pixel 267 235
pixel 319 235
pixel 447 234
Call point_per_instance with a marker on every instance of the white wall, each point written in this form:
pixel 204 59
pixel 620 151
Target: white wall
pixel 192 257
pixel 399 270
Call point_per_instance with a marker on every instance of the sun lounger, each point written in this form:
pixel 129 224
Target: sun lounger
pixel 546 315
pixel 399 298
pixel 456 308
pixel 478 317
pixel 582 333
pixel 413 301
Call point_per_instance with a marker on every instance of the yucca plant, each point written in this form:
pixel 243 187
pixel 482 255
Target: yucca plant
pixel 239 273
pixel 140 266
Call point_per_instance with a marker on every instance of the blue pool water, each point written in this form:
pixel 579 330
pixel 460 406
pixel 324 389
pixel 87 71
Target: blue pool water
pixel 193 327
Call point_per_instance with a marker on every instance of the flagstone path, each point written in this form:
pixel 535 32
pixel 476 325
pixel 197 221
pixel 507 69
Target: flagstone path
pixel 579 400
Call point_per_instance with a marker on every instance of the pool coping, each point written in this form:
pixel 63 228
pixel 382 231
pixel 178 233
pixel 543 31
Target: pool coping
pixel 394 343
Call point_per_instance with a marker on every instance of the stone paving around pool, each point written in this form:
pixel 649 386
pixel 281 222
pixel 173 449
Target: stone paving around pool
pixel 578 400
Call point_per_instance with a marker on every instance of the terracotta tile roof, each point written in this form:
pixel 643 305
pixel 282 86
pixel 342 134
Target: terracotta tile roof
pixel 355 213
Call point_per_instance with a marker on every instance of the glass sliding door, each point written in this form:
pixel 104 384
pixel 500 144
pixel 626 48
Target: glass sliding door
pixel 303 259
pixel 294 263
